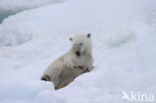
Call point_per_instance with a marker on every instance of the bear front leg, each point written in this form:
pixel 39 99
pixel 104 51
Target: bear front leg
pixel 90 68
pixel 83 67
pixel 79 67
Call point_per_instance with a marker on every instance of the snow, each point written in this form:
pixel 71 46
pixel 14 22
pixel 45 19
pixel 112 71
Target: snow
pixel 18 5
pixel 123 35
pixel 10 7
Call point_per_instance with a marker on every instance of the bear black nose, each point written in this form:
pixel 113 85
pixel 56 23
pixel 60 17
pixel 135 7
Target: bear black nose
pixel 77 53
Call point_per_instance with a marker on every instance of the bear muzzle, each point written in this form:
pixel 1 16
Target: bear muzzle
pixel 78 53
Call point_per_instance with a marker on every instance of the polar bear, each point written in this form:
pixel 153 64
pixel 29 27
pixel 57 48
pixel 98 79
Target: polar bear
pixel 75 62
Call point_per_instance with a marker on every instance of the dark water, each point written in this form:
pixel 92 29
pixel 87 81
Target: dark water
pixel 4 15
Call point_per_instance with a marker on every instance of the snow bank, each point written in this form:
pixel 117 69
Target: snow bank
pixel 10 7
pixel 69 17
pixel 19 5
pixel 123 35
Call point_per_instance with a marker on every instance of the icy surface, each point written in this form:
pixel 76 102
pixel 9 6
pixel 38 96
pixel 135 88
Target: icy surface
pixel 10 7
pixel 15 5
pixel 123 35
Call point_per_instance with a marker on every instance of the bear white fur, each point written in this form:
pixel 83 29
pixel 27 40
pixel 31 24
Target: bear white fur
pixel 75 62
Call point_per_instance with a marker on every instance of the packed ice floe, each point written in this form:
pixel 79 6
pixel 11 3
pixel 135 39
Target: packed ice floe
pixel 11 7
pixel 123 35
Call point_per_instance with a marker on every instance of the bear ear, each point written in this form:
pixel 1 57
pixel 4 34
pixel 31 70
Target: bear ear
pixel 70 39
pixel 89 35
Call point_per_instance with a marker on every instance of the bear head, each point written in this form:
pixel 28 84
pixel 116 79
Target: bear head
pixel 81 44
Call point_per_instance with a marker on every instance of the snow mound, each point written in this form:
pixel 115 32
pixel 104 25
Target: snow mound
pixel 11 7
pixel 123 35
pixel 20 5
pixel 78 18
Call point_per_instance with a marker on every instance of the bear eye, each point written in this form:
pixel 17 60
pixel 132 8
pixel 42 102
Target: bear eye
pixel 81 43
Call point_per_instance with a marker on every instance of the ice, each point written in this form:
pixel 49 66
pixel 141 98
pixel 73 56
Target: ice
pixel 10 7
pixel 16 5
pixel 123 35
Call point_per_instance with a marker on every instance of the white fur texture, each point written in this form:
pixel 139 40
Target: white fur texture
pixel 63 71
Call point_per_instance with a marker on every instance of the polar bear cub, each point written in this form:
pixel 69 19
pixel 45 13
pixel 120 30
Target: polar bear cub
pixel 75 62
